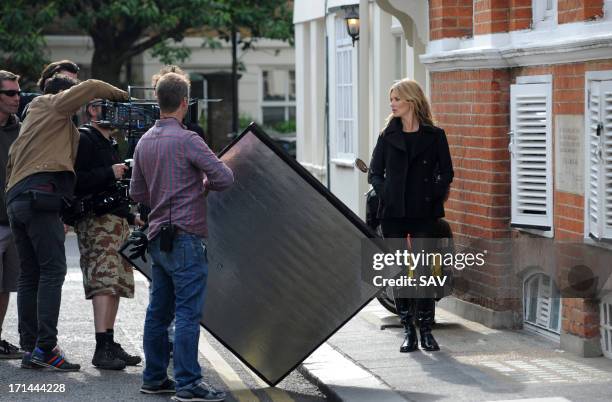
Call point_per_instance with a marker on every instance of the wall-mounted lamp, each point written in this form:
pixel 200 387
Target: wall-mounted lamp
pixel 351 16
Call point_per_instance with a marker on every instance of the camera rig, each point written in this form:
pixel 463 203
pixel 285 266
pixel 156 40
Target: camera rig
pixel 138 115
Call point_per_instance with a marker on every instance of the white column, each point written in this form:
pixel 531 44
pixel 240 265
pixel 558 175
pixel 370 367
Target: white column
pixel 317 101
pixel 364 97
pixel 302 88
pixel 383 56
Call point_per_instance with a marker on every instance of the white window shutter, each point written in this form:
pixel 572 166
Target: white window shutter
pixel 600 160
pixel 544 302
pixel 606 158
pixel 594 207
pixel 531 156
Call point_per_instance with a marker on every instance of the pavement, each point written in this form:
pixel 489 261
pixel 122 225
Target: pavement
pixel 360 362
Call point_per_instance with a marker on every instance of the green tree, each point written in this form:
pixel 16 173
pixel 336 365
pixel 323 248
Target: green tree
pixel 21 39
pixel 122 29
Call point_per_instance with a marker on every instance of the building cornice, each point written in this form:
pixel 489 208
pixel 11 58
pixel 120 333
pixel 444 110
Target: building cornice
pixel 564 44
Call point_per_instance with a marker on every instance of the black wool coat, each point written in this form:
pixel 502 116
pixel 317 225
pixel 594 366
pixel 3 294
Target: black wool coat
pixel 411 184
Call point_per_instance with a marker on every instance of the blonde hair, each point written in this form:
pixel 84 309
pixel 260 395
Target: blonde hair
pixel 168 68
pixel 410 91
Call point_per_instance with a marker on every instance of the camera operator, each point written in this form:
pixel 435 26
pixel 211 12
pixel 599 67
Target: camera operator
pixel 106 275
pixel 65 67
pixel 40 176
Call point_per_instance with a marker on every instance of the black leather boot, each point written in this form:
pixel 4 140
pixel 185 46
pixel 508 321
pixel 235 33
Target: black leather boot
pixel 405 309
pixel 428 342
pixel 410 341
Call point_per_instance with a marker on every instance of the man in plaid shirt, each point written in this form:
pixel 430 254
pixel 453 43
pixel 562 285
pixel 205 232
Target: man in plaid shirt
pixel 173 171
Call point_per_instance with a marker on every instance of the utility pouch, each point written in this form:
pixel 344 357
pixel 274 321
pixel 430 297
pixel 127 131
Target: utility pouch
pixel 45 201
pixel 166 237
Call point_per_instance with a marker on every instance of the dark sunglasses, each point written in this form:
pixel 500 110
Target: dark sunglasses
pixel 10 92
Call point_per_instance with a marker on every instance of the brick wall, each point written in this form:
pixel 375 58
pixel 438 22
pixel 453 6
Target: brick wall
pixel 490 16
pixel 520 15
pixel 579 10
pixel 450 19
pixel 580 317
pixel 473 108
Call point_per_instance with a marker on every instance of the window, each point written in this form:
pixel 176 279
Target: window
pixel 605 314
pixel 530 155
pixel 345 120
pixel 599 160
pixel 542 303
pixel 544 13
pixel 278 103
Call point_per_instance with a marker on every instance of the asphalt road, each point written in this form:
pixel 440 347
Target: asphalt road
pixel 76 337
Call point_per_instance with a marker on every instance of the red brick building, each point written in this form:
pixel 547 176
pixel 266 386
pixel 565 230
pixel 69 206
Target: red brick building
pixel 523 89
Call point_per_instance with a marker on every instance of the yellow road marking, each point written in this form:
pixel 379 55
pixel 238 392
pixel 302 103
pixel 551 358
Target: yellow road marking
pixel 276 394
pixel 235 385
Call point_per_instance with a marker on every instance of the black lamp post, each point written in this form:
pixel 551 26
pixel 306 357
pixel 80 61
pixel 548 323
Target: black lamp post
pixel 351 17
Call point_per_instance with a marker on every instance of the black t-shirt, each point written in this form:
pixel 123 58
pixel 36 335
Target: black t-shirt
pixel 411 139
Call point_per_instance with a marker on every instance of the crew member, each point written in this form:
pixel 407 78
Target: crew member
pixel 173 170
pixel 106 275
pixel 40 176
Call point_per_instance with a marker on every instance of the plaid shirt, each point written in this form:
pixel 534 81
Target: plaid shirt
pixel 172 168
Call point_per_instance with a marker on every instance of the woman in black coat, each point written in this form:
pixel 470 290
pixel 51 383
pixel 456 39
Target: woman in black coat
pixel 411 170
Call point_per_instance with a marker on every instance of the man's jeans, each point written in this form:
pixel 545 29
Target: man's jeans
pixel 178 282
pixel 39 237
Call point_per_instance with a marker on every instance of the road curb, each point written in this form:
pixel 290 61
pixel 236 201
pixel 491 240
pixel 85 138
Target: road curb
pixel 340 379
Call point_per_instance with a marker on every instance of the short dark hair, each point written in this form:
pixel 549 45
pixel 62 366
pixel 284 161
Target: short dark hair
pixel 7 76
pixel 171 89
pixel 56 67
pixel 59 82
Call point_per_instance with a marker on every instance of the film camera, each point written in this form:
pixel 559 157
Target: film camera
pixel 134 118
pixel 137 116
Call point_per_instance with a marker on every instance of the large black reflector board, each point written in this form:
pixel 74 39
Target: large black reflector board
pixel 284 260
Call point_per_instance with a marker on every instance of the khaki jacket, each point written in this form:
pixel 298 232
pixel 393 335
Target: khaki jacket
pixel 48 140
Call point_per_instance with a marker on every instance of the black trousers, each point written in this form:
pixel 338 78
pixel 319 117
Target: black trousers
pixel 421 310
pixel 39 236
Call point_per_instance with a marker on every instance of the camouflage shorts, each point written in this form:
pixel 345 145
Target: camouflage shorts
pixel 105 272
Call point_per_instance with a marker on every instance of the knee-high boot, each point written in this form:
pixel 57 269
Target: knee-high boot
pixel 425 317
pixel 405 309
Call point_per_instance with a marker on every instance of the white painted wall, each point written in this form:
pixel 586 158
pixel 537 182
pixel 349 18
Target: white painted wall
pixel 310 96
pixel 346 182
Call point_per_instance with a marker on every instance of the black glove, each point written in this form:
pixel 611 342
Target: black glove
pixel 139 242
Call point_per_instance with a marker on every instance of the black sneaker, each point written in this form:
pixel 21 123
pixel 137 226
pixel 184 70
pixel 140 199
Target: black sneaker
pixel 54 359
pixel 26 362
pixel 166 387
pixel 8 351
pixel 201 392
pixel 105 359
pixel 121 354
